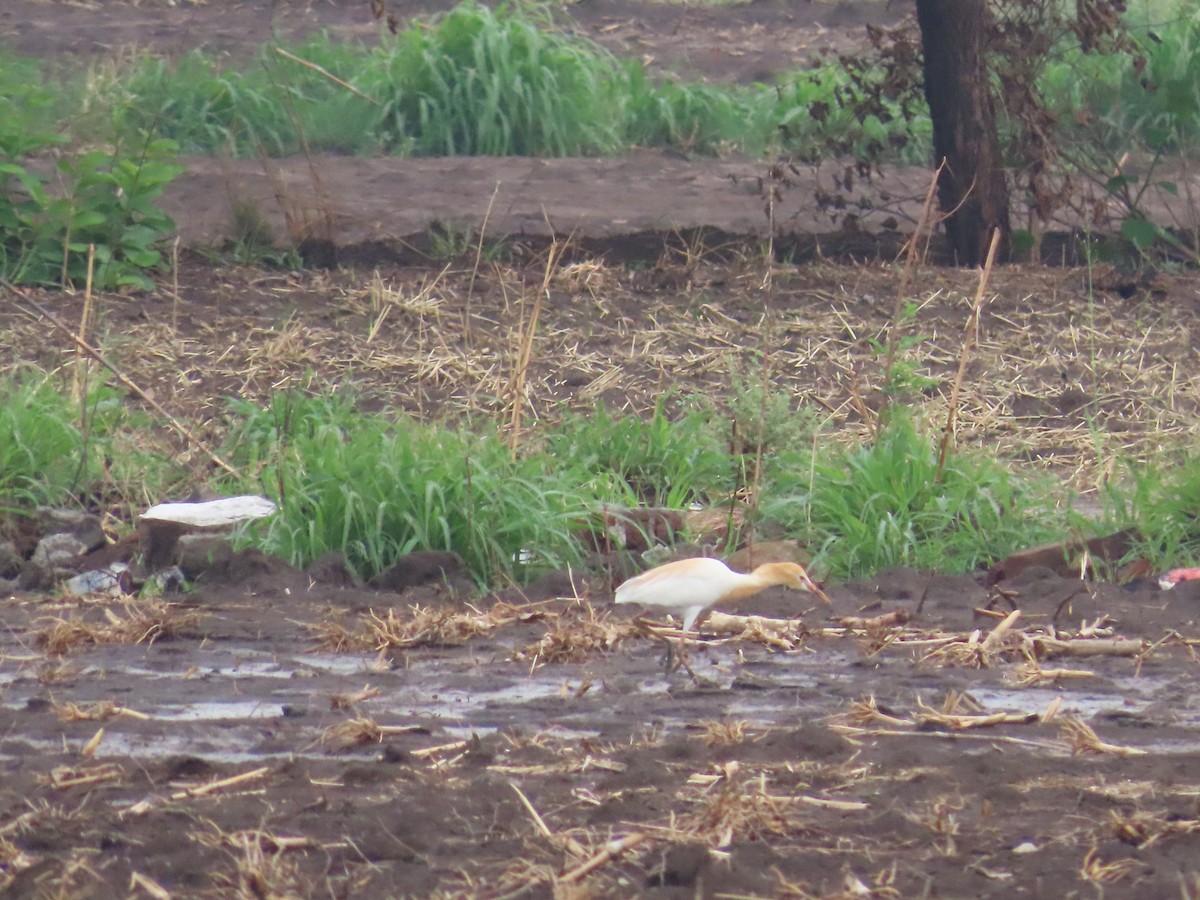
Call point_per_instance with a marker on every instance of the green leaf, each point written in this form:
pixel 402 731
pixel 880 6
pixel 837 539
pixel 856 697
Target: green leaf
pixel 1116 182
pixel 145 259
pixel 1139 232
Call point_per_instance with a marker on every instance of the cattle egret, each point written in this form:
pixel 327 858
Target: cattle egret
pixel 690 587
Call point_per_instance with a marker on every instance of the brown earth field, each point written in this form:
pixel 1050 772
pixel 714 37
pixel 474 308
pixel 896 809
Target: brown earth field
pixel 278 733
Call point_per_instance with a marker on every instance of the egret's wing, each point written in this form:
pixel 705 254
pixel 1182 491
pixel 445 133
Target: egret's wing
pixel 686 583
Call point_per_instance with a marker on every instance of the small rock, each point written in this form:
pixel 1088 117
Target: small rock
pixel 99 581
pixel 197 554
pixel 166 581
pixel 84 527
pixel 10 560
pixel 35 577
pixel 58 551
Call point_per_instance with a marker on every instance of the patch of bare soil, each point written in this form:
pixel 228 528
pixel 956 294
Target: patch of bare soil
pixel 746 42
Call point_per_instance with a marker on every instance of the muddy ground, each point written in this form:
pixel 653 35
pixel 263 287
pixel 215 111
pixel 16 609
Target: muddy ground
pixel 486 767
pixel 254 742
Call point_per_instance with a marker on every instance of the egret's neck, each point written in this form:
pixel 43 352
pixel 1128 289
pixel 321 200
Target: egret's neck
pixel 748 585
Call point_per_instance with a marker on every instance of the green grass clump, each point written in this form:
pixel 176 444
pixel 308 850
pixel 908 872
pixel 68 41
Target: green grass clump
pixel 509 81
pixel 474 80
pixel 1161 504
pixel 882 504
pixel 656 461
pixel 497 83
pixel 376 488
pixel 697 118
pixel 275 108
pixel 42 450
pixel 55 450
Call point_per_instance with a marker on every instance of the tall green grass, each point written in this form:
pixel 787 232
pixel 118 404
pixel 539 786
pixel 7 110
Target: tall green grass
pixel 1161 504
pixel 655 461
pixel 55 450
pixel 496 83
pixel 375 489
pixel 510 81
pixel 42 450
pixel 475 80
pixel 882 504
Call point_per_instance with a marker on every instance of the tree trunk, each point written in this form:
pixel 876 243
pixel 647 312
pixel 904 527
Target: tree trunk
pixel 972 191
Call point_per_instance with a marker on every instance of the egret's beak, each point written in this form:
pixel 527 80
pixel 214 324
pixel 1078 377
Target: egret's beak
pixel 812 586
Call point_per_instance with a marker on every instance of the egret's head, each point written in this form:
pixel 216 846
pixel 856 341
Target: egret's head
pixel 792 575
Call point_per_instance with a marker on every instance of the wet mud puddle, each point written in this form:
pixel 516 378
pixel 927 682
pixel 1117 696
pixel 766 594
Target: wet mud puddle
pixel 236 702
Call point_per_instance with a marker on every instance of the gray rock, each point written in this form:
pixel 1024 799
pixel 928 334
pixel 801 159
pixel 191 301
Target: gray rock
pixel 58 551
pixel 84 527
pixel 35 577
pixel 166 581
pixel 99 581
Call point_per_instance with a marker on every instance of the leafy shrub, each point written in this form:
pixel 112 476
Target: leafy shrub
pixel 107 200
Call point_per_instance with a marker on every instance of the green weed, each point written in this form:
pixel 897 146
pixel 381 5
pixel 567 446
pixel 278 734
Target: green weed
pixel 42 458
pixel 475 80
pixel 100 198
pixel 497 83
pixel 54 449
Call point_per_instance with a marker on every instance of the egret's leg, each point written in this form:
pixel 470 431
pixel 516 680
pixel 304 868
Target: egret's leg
pixel 682 662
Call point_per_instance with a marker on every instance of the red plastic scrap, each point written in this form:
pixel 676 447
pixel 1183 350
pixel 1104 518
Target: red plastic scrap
pixel 1169 579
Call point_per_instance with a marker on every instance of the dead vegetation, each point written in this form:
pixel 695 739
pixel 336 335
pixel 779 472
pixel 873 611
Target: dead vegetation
pixel 133 622
pixel 449 340
pixel 362 730
pixel 422 626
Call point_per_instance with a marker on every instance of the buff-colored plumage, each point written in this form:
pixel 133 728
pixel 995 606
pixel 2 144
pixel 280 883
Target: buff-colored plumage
pixel 689 587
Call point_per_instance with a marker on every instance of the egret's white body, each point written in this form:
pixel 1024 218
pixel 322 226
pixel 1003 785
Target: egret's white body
pixel 690 587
